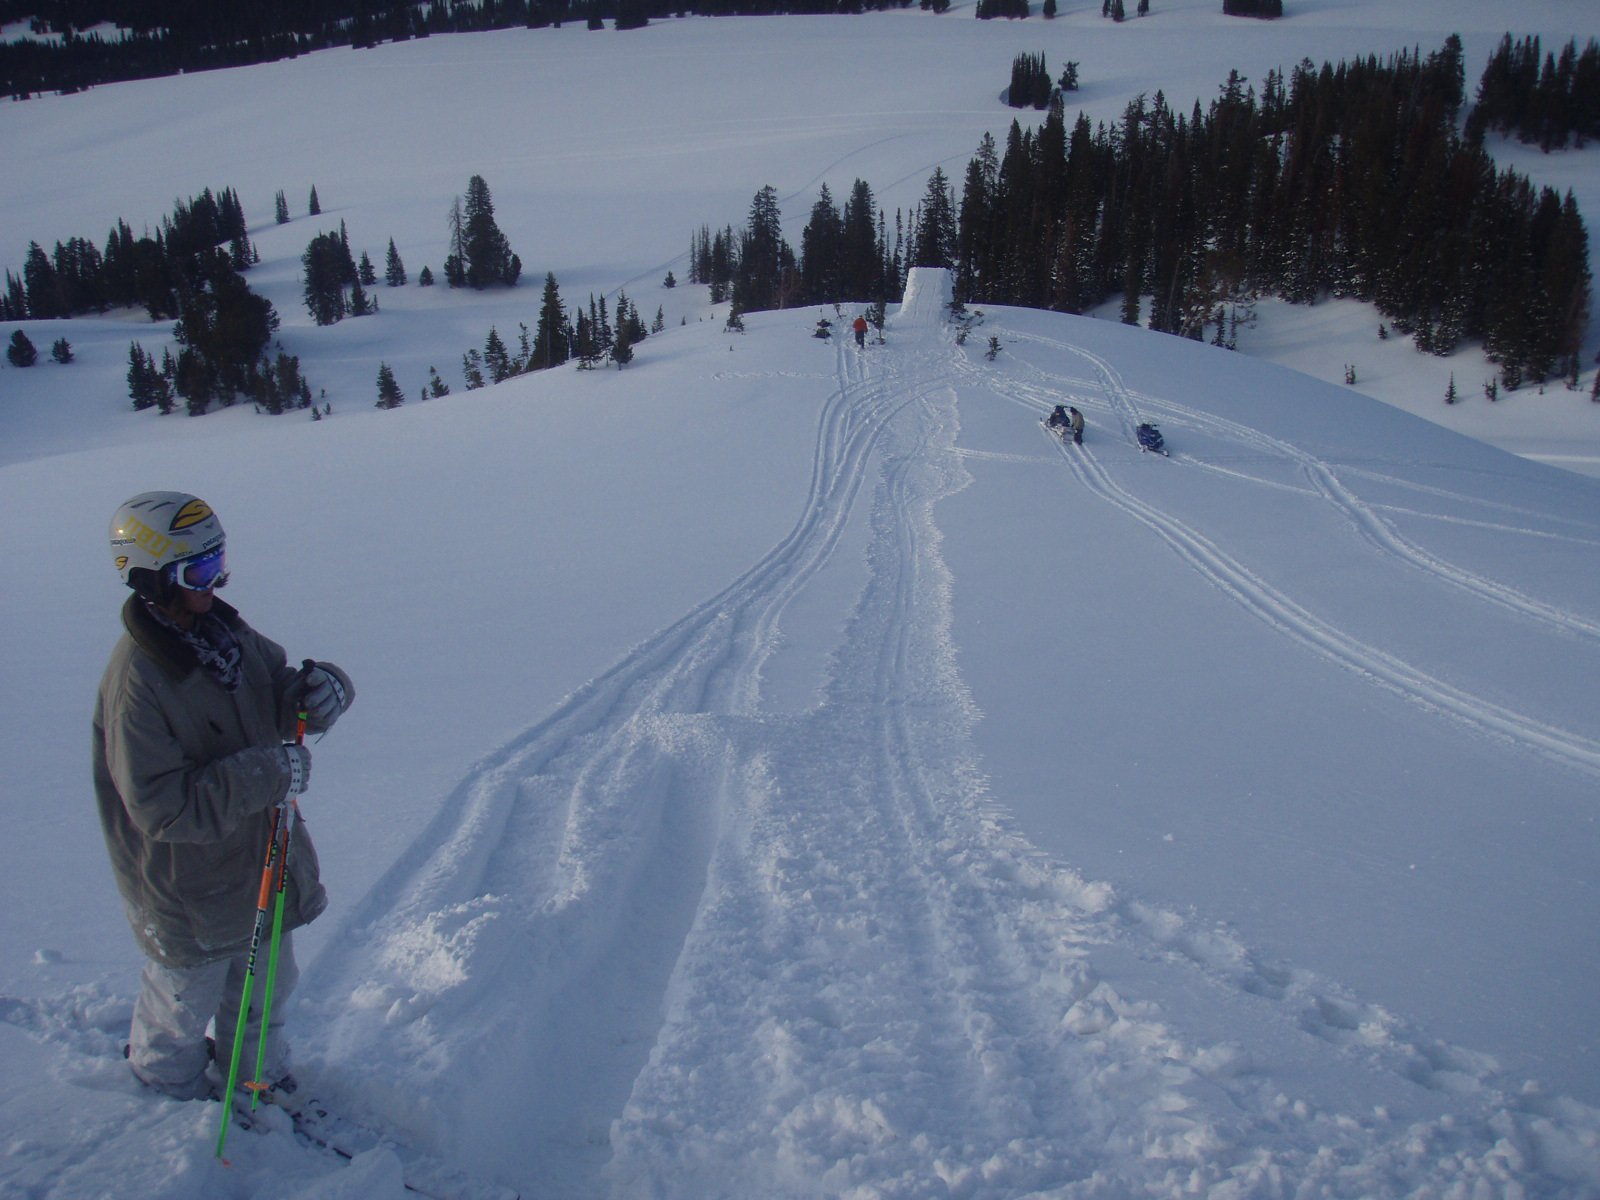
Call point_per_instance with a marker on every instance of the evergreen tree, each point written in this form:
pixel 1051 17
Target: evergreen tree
pixel 585 346
pixel 622 348
pixel 860 248
pixel 324 263
pixel 142 376
pixel 436 387
pixel 486 254
pixel 425 279
pixel 280 205
pixel 551 345
pixel 46 298
pixel 765 259
pixel 389 394
pixel 366 273
pixel 61 351
pixel 934 243
pixel 472 369
pixel 455 262
pixel 394 270
pixel 315 205
pixel 495 357
pixel 821 259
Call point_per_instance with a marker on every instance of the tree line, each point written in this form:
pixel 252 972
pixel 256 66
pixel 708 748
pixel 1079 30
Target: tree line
pixel 1544 101
pixel 150 272
pixel 191 272
pixel 1345 180
pixel 166 37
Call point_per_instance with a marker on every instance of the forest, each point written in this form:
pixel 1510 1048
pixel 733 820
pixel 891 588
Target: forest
pixel 1341 180
pixel 1352 180
pixel 164 37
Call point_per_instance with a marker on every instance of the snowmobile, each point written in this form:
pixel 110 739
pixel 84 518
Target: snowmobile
pixel 1150 439
pixel 1060 424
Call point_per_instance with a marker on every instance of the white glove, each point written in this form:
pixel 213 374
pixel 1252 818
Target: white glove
pixel 325 699
pixel 297 761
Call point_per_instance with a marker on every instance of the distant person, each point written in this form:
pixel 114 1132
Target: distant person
pixel 1058 418
pixel 190 760
pixel 1075 419
pixel 859 325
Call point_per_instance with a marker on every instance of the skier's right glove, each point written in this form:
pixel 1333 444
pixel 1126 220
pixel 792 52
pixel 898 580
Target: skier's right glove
pixel 297 761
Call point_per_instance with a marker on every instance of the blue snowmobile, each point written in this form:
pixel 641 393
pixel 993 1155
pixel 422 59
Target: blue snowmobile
pixel 1150 439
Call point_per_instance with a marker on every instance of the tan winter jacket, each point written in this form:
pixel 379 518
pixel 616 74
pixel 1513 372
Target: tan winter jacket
pixel 186 775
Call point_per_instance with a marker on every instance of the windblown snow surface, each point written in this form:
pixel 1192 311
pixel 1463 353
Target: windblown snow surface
pixel 785 770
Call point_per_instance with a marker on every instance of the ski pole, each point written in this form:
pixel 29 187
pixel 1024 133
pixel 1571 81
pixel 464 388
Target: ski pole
pixel 257 1085
pixel 262 900
pixel 291 810
pixel 249 979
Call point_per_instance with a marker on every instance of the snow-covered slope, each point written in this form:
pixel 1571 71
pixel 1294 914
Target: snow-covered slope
pixel 785 770
pixel 996 816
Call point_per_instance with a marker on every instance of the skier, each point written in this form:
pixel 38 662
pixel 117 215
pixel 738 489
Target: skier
pixel 859 325
pixel 189 762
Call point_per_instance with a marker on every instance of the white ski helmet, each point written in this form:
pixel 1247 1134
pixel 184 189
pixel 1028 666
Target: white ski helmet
pixel 155 531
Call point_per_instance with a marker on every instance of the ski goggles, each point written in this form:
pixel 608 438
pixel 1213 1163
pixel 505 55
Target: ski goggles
pixel 202 572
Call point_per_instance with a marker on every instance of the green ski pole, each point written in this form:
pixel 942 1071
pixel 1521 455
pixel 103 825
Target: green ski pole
pixel 258 1085
pixel 274 859
pixel 291 809
pixel 249 980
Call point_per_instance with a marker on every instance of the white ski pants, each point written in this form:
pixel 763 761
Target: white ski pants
pixel 167 1044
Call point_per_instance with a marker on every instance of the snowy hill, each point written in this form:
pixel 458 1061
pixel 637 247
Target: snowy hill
pixel 783 770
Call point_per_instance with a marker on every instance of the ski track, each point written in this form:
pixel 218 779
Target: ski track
pixel 713 951
pixel 1277 609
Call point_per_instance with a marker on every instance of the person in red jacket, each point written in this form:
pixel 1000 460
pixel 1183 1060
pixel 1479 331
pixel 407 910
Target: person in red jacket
pixel 860 327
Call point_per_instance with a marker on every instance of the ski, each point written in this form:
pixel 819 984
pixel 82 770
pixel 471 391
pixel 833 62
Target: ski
pixel 423 1174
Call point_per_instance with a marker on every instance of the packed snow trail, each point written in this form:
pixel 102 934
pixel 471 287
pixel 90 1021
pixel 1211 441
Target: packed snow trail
pixel 673 943
pixel 1271 604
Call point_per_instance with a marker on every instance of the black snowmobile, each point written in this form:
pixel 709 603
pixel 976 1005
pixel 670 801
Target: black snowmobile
pixel 1150 439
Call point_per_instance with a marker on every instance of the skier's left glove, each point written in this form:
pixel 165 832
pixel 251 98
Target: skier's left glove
pixel 327 696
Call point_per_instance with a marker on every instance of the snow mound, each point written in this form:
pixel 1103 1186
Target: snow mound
pixel 927 299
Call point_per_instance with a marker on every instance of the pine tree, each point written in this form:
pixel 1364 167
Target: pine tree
pixel 550 340
pixel 389 394
pixel 366 273
pixel 486 254
pixel 472 369
pixel 764 257
pixel 394 270
pixel 315 205
pixel 280 205
pixel 436 386
pixel 455 270
pixel 495 357
pixel 934 242
pixel 1450 392
pixel 622 348
pixel 61 351
pixel 324 279
pixel 21 352
pixel 425 279
pixel 820 246
pixel 585 347
pixel 142 388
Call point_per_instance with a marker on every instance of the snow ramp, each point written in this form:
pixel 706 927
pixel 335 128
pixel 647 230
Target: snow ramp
pixel 927 300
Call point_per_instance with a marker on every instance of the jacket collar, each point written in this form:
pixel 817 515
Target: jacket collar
pixel 160 643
